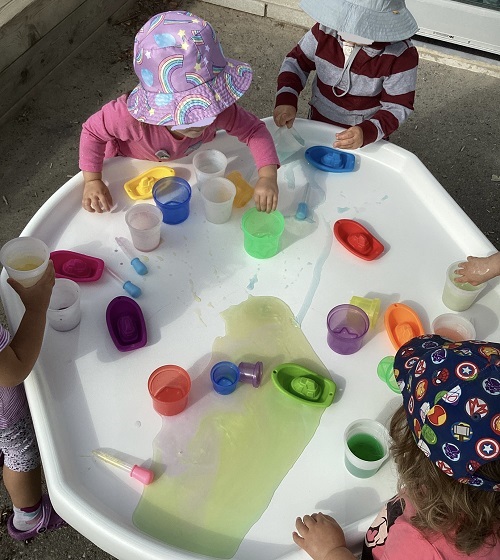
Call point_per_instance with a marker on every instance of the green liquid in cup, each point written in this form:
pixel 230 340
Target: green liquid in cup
pixel 366 447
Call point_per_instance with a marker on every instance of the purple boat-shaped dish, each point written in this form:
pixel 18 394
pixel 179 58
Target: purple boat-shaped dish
pixel 77 266
pixel 126 324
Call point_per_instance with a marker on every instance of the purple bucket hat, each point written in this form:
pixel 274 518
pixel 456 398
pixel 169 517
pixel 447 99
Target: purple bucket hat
pixel 184 75
pixel 451 394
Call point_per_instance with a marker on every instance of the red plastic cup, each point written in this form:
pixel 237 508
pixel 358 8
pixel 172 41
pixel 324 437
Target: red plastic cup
pixel 169 388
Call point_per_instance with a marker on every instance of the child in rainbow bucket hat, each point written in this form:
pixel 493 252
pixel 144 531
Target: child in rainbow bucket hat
pixel 365 69
pixel 187 91
pixel 446 447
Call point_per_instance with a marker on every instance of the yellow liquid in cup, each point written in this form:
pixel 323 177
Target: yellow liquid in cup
pixel 26 263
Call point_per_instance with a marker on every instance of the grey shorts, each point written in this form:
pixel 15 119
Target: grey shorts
pixel 19 447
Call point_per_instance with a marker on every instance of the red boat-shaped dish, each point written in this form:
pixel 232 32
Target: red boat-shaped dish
pixel 76 266
pixel 402 324
pixel 357 239
pixel 126 324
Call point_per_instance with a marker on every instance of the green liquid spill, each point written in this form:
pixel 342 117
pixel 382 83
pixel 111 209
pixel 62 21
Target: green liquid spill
pixel 366 447
pixel 232 453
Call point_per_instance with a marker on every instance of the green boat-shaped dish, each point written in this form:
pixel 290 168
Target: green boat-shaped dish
pixel 304 385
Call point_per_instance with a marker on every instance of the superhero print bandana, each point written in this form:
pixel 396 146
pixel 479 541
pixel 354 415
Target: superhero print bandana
pixel 451 393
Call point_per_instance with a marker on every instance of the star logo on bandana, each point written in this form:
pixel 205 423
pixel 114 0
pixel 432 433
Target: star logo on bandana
pixel 487 448
pixel 467 371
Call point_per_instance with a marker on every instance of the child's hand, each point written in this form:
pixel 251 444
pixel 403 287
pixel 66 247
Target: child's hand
pixel 284 115
pixel 266 189
pixel 349 139
pixel 36 297
pixel 478 269
pixel 96 197
pixel 321 537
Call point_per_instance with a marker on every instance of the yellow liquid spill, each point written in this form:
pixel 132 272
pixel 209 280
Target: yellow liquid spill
pixel 220 467
pixel 26 263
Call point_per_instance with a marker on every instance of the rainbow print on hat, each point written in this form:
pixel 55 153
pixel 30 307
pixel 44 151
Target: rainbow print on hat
pixel 184 76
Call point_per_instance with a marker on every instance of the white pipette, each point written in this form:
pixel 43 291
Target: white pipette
pixel 127 248
pixel 142 474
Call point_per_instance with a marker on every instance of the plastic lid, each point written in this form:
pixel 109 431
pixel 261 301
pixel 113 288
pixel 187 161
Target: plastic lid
pixel 357 239
pixel 330 159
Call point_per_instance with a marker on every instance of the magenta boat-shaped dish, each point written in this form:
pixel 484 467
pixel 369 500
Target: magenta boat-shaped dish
pixel 77 266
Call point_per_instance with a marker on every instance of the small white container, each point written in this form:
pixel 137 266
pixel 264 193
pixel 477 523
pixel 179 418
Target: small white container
pixel 459 296
pixel 25 259
pixel 366 447
pixel 208 164
pixel 218 196
pixel 144 222
pixel 454 327
pixel 64 313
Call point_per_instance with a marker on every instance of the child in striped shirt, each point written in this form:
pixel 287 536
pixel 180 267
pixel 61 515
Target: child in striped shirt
pixel 366 69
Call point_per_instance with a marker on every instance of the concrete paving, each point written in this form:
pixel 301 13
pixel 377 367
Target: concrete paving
pixel 455 132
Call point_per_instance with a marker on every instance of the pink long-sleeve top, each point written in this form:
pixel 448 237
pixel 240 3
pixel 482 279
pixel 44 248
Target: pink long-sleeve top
pixel 112 132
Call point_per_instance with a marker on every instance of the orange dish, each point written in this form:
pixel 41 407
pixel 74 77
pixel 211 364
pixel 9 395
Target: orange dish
pixel 402 324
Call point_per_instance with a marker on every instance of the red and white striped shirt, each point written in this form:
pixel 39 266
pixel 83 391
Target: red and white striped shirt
pixel 13 403
pixel 373 88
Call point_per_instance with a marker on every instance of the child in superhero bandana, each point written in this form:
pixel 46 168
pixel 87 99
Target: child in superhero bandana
pixel 446 446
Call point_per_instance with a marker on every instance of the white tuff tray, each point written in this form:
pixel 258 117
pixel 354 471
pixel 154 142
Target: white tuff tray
pixel 84 394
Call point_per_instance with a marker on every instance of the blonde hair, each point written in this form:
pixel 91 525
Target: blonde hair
pixel 467 517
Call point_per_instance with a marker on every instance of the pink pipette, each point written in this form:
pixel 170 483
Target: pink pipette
pixel 141 474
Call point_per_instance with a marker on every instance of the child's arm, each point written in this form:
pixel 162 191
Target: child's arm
pixel 96 195
pixel 266 189
pixel 292 77
pixel 321 537
pixel 478 269
pixel 19 357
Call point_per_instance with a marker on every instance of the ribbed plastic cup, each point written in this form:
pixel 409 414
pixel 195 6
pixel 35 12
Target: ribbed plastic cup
pixel 347 325
pixel 64 313
pixel 262 232
pixel 365 447
pixel 459 296
pixel 169 388
pixel 144 222
pixel 218 196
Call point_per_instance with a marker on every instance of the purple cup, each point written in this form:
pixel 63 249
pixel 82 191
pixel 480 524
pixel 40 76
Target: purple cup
pixel 251 373
pixel 347 325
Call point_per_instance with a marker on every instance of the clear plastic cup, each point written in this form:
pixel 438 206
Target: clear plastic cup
pixel 365 447
pixel 459 296
pixel 144 222
pixel 208 164
pixel 262 232
pixel 25 259
pixel 454 327
pixel 288 142
pixel 64 313
pixel 218 196
pixel 347 325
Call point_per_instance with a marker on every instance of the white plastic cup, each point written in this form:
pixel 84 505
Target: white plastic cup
pixel 218 196
pixel 25 259
pixel 459 296
pixel 64 313
pixel 454 327
pixel 144 222
pixel 208 164
pixel 366 447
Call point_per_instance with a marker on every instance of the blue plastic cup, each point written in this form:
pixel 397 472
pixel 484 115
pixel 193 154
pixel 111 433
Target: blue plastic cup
pixel 224 376
pixel 172 196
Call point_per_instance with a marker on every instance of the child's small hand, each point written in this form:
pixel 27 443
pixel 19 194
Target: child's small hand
pixel 478 269
pixel 284 115
pixel 266 189
pixel 96 197
pixel 321 537
pixel 349 139
pixel 36 297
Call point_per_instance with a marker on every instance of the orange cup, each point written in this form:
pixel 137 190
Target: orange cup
pixel 169 388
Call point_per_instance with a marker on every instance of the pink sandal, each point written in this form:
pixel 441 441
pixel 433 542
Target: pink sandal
pixel 48 522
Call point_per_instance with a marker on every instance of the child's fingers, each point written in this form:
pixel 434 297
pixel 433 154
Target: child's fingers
pixel 297 539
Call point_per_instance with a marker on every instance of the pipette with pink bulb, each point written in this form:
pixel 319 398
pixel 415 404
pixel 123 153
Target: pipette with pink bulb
pixel 141 474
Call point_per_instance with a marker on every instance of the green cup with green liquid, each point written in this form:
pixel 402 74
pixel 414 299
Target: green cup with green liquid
pixel 366 447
